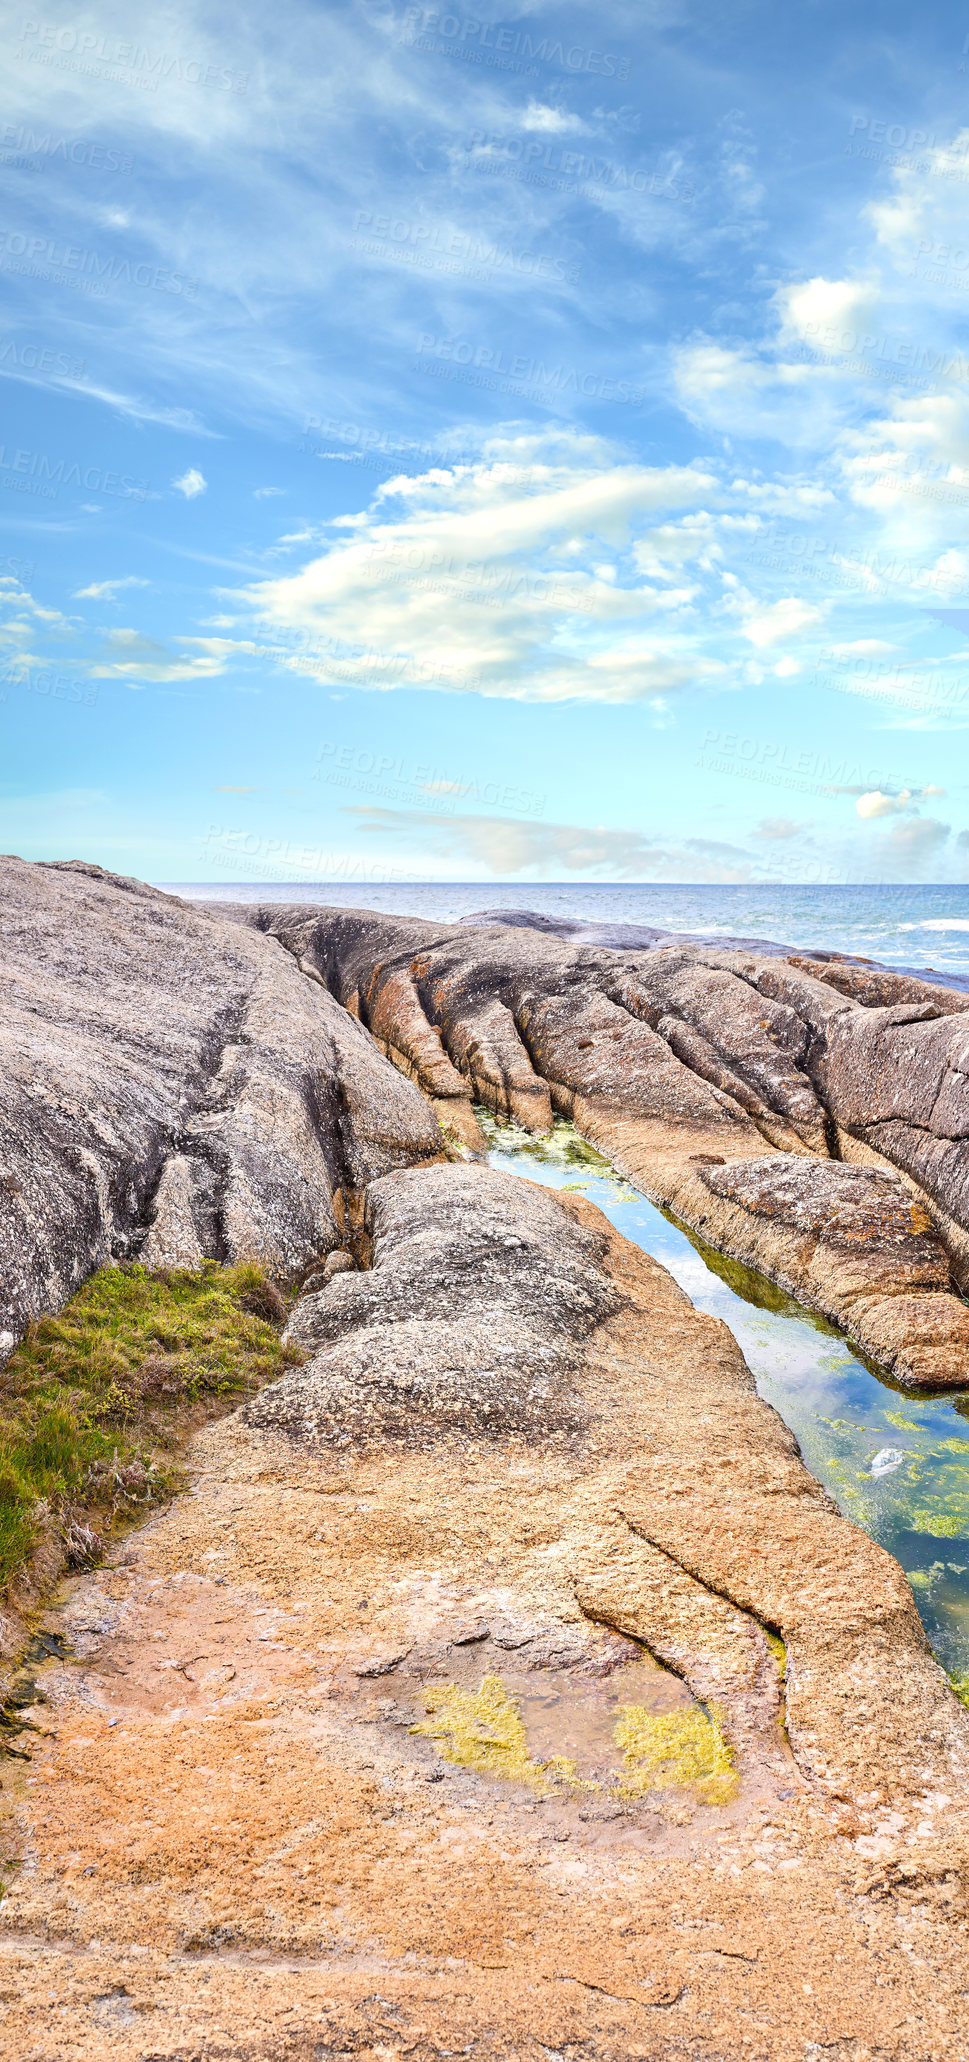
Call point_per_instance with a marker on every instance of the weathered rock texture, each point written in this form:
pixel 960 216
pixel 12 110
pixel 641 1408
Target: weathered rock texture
pixel 470 1319
pixel 239 1846
pixel 683 1058
pixel 515 1455
pixel 173 1087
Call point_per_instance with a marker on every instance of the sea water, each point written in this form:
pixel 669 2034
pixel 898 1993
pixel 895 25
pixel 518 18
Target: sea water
pixel 901 925
pixel 895 1462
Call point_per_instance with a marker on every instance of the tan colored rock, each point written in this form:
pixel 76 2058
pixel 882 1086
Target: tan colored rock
pixel 240 1845
pixel 864 1246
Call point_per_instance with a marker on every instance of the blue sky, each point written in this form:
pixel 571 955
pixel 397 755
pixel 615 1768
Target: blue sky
pixel 527 445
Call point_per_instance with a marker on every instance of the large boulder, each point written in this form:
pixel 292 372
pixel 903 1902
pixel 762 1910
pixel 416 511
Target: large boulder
pixel 173 1087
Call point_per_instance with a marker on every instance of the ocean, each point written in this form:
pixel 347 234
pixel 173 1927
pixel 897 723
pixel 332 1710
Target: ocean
pixel 912 928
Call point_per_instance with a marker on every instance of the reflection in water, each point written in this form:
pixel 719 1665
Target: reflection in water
pixel 895 1462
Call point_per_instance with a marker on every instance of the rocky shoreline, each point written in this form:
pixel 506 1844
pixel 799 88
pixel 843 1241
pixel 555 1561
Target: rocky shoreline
pixel 519 1499
pixel 808 1117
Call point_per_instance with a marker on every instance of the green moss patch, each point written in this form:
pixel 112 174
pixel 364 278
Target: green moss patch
pixel 663 1750
pixel 482 1730
pixel 93 1400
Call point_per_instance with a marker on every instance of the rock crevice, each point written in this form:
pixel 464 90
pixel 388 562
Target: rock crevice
pixel 685 1055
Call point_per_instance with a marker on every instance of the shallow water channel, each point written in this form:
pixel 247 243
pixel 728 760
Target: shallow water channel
pixel 895 1462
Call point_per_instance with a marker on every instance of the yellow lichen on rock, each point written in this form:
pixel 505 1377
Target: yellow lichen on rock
pixel 662 1751
pixel 779 1651
pixel 482 1730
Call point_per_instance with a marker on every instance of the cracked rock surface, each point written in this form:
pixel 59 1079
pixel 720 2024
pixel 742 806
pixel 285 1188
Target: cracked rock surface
pixel 248 1834
pixel 521 1500
pixel 682 1058
pixel 470 1320
pixel 172 1088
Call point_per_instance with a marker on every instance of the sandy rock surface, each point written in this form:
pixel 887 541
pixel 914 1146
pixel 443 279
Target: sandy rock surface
pixel 171 1087
pixel 235 1842
pixel 687 1056
pixel 503 1684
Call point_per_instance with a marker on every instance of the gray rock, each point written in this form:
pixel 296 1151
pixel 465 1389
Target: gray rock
pixel 678 1055
pixel 468 1324
pixel 172 1086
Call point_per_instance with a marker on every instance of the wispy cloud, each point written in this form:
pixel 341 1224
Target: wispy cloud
pixel 108 590
pixel 543 850
pixel 137 660
pixel 488 577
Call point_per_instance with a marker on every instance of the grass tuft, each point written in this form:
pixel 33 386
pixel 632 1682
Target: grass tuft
pixel 92 1399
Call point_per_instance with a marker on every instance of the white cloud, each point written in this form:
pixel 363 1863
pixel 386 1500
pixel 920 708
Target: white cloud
pixel 551 121
pixel 905 803
pixel 106 590
pixel 667 547
pixel 876 804
pixel 483 577
pixel 928 206
pixel 190 484
pixel 825 312
pixel 910 468
pixel 769 623
pixel 267 493
pixel 868 647
pixel 735 390
pixel 778 828
pixel 22 621
pixel 137 409
pixel 141 661
pixel 911 846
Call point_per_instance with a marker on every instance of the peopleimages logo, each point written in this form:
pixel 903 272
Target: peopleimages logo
pixel 74 150
pixel 40 358
pixel 80 50
pixel 56 687
pixel 533 159
pixel 41 252
pixel 35 473
pixel 440 247
pixel 518 369
pixel 482 42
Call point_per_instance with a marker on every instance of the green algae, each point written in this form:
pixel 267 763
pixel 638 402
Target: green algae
pixel 674 1749
pixel 483 1730
pixel 940 1524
